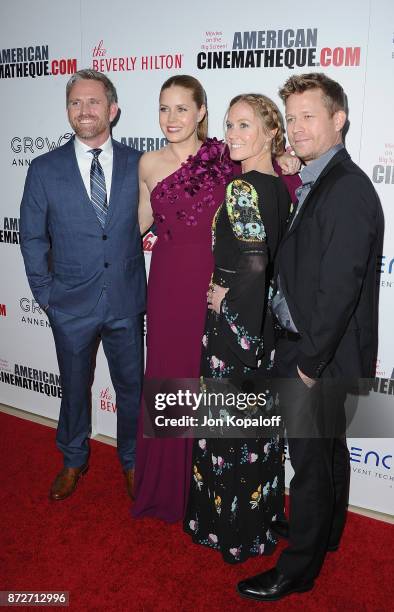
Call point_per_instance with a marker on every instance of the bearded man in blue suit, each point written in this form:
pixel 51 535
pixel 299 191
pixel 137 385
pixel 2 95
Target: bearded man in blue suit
pixel 81 246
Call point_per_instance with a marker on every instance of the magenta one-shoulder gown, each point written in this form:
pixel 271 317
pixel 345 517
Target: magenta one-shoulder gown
pixel 183 205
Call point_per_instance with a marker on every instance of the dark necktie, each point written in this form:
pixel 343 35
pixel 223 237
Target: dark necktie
pixel 98 192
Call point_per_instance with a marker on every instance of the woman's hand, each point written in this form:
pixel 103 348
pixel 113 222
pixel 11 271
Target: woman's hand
pixel 309 382
pixel 145 213
pixel 215 295
pixel 289 162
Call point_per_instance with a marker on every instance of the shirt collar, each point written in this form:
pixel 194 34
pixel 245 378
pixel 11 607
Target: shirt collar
pixel 312 171
pixel 82 148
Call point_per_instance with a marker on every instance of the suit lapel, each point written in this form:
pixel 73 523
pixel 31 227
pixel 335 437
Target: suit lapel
pixel 293 225
pixel 118 176
pixel 339 157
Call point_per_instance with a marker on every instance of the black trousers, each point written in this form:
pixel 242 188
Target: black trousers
pixel 315 425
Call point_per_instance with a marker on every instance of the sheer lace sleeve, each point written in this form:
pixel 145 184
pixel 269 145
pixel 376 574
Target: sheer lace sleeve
pixel 243 306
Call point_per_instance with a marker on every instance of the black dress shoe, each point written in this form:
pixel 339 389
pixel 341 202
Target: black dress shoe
pixel 281 528
pixel 270 586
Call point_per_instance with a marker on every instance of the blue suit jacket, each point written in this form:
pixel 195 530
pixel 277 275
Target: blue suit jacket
pixel 69 257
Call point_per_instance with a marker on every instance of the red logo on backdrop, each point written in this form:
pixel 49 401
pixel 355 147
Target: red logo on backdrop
pixel 106 402
pixel 99 50
pixel 3 310
pixel 148 242
pixel 103 63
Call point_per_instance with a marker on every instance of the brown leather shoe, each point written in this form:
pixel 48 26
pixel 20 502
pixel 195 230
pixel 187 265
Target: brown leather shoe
pixel 66 481
pixel 129 476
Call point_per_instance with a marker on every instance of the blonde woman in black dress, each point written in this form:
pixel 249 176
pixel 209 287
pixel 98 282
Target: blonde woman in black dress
pixel 237 485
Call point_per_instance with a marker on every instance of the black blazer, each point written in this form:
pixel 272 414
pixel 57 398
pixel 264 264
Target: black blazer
pixel 327 263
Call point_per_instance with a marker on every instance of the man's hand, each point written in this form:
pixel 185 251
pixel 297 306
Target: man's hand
pixel 289 162
pixel 305 379
pixel 215 295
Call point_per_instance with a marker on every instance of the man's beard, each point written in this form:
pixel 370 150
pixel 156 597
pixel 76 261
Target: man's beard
pixel 91 130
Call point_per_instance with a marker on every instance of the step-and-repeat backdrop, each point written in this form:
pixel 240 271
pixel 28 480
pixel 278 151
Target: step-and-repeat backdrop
pixel 231 47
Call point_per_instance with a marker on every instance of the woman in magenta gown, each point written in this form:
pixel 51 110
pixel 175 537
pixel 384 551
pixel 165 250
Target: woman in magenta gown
pixel 183 204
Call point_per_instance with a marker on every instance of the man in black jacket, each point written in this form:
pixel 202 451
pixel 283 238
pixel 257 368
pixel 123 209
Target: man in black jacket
pixel 326 305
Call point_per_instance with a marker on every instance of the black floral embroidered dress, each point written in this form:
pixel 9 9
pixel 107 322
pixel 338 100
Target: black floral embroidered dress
pixel 238 484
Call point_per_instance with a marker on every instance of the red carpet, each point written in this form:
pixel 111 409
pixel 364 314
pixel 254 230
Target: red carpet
pixel 89 545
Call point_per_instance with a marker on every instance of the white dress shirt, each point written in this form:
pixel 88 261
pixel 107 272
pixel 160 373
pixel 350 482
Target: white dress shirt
pixel 84 159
